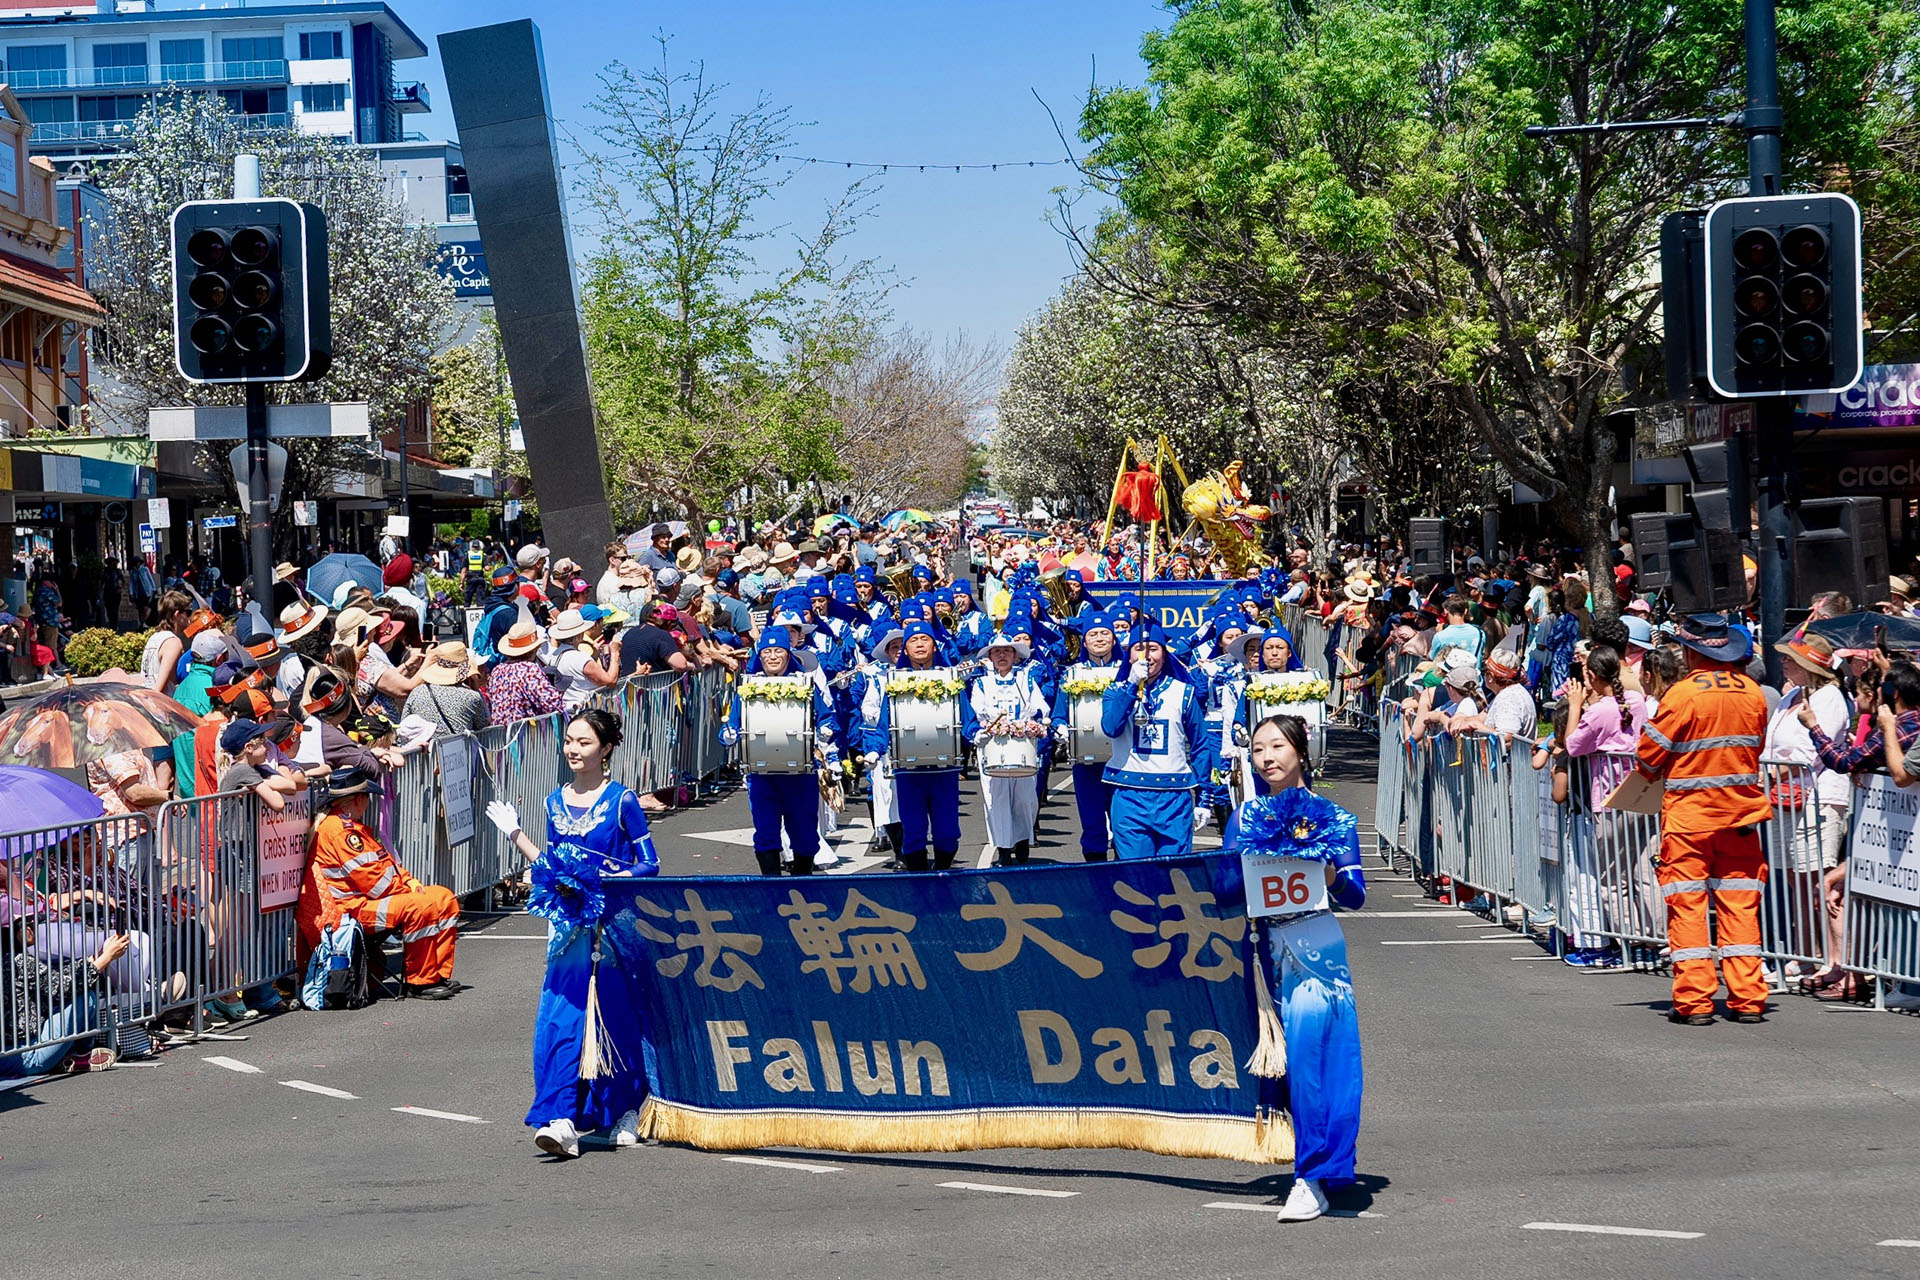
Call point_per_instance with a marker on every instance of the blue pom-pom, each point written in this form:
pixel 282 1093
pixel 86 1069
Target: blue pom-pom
pixel 1296 823
pixel 566 886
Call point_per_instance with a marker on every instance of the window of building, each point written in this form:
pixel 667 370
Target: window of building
pixel 256 102
pixel 320 44
pixel 323 97
pixel 119 106
pixel 120 63
pixel 183 59
pixel 37 66
pixel 49 110
pixel 251 51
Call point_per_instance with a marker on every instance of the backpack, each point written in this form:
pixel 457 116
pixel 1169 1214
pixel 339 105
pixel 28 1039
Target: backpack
pixel 483 651
pixel 337 972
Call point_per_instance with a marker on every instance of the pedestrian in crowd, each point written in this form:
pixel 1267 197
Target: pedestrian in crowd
pixel 647 646
pixel 160 658
pixel 518 687
pixel 447 696
pixel 1705 742
pixel 1308 956
pixel 1604 720
pixel 303 644
pixel 1510 710
pixel 1820 811
pixel 582 663
pixel 144 588
pixel 207 650
pixel 59 999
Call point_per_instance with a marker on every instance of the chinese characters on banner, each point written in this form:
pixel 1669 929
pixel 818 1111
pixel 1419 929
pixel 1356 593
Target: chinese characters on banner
pixel 1102 1005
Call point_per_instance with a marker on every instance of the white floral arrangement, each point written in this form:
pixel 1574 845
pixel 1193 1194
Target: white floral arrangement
pixel 1288 686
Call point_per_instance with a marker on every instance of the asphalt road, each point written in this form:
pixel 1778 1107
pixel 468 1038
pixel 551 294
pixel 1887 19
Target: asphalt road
pixel 1509 1099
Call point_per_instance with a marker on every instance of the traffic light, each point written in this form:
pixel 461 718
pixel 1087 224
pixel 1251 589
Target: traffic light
pixel 250 299
pixel 1784 307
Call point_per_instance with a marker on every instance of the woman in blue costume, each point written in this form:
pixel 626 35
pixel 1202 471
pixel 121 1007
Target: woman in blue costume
pixel 587 1069
pixel 1322 1029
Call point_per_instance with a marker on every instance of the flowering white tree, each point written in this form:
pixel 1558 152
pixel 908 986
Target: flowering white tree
pixel 390 308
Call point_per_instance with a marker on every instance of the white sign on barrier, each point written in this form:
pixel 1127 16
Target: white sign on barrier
pixel 283 853
pixel 1283 886
pixel 456 788
pixel 1884 861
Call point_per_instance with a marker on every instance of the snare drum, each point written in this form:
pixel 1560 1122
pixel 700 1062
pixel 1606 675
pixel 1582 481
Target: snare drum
pixel 1086 743
pixel 1004 757
pixel 926 734
pixel 776 736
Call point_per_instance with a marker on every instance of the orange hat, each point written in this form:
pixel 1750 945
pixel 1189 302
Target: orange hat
pixel 202 620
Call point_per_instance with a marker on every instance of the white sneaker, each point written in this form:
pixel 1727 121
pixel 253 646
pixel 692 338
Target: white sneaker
pixel 1902 999
pixel 627 1132
pixel 1304 1203
pixel 558 1138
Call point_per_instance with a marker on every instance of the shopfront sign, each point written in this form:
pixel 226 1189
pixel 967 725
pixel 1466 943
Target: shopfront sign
pixel 1887 395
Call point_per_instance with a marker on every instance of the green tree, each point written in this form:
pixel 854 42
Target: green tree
pixel 710 372
pixel 1350 178
pixel 473 403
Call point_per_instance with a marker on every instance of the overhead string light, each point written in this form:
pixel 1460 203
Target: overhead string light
pixel 889 166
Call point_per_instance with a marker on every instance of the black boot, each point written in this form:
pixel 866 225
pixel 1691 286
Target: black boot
pixel 1021 853
pixel 801 866
pixel 1002 857
pixel 1220 812
pixel 914 861
pixel 896 836
pixel 769 861
pixel 943 859
pixel 1094 855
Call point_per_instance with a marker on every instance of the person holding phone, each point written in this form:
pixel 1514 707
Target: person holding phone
pixel 33 987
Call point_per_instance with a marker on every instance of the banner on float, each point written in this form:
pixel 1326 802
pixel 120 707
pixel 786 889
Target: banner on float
pixel 1883 861
pixel 1075 1006
pixel 1180 606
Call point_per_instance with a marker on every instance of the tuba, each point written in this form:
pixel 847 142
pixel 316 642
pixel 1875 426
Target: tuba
pixel 900 581
pixel 1054 583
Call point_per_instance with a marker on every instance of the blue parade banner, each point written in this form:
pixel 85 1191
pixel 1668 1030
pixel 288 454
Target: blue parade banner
pixel 1180 606
pixel 1075 1006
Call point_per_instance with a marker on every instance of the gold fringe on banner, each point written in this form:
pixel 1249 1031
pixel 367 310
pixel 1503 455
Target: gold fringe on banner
pixel 1265 1140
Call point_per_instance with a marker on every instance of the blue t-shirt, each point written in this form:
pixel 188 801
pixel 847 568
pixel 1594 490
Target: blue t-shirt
pixel 1459 635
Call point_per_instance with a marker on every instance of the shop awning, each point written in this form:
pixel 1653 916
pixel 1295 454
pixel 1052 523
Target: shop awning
pixel 27 283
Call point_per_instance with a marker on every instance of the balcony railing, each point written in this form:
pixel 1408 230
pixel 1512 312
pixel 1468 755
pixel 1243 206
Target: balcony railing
pixel 44 78
pixel 113 130
pixel 272 70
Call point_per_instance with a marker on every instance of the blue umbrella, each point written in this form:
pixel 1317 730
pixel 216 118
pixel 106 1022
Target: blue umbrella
pixel 34 800
pixel 330 571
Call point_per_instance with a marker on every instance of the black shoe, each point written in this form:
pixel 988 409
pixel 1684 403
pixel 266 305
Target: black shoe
pixel 943 859
pixel 1691 1019
pixel 433 991
pixel 1748 1018
pixel 1021 853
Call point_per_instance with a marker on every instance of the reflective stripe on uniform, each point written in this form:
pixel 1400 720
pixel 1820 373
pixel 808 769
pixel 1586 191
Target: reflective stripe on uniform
pixel 1691 953
pixel 335 873
pixel 1660 739
pixel 1714 782
pixel 1737 884
pixel 1740 949
pixel 1672 887
pixel 427 931
pixel 1708 744
pixel 371 855
pixel 380 913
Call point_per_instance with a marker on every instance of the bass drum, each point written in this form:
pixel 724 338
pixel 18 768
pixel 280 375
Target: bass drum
pixel 1005 757
pixel 926 735
pixel 776 736
pixel 1086 744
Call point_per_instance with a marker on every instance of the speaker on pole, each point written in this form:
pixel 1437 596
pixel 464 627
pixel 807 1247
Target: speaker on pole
pixel 1653 535
pixel 1427 544
pixel 1840 544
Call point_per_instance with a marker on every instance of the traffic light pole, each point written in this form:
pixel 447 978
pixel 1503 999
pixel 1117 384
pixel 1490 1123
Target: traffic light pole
pixel 1773 416
pixel 259 501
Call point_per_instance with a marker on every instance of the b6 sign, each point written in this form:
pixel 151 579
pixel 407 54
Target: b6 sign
pixel 1283 886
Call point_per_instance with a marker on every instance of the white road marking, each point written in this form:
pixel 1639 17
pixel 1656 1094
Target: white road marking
pixel 783 1164
pixel 1531 959
pixel 1899 1244
pixel 742 836
pixel 1274 1207
pixel 233 1064
pixel 307 1087
pixel 1597 1230
pixel 1010 1191
pixel 442 1115
pixel 1443 942
pixel 985 859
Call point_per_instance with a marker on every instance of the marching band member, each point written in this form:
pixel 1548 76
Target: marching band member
pixel 866 582
pixel 1091 793
pixel 869 695
pixel 792 799
pixel 927 797
pixel 1225 678
pixel 1157 719
pixel 1046 674
pixel 1309 954
pixel 1007 701
pixel 971 626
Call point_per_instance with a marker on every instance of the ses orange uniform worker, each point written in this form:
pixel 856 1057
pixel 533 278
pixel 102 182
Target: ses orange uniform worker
pixel 361 879
pixel 1705 742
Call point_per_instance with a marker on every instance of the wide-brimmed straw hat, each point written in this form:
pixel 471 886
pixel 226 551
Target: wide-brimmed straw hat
pixel 522 640
pixel 1815 653
pixel 448 664
pixel 569 623
pixel 783 553
pixel 300 619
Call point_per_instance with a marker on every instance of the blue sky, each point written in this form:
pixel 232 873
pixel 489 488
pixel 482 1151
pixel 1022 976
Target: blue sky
pixel 896 82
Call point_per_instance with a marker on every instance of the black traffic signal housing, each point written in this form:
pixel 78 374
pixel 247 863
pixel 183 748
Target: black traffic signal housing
pixel 1784 308
pixel 250 297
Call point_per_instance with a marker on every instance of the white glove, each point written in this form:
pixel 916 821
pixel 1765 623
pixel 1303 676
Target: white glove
pixel 502 815
pixel 872 758
pixel 1138 672
pixel 1202 817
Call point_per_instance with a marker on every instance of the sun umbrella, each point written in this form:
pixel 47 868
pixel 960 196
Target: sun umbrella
pixel 1857 630
pixel 833 520
pixel 905 516
pixel 68 727
pixel 329 572
pixel 35 800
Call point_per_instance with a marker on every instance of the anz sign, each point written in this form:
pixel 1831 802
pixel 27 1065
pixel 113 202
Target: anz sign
pixel 464 262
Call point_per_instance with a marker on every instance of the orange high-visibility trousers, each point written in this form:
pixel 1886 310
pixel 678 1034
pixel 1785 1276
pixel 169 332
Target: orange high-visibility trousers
pixel 1729 867
pixel 428 921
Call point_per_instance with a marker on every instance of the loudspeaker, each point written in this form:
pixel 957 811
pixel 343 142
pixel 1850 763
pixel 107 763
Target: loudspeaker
pixel 1708 575
pixel 1427 544
pixel 1722 494
pixel 1652 535
pixel 1840 544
